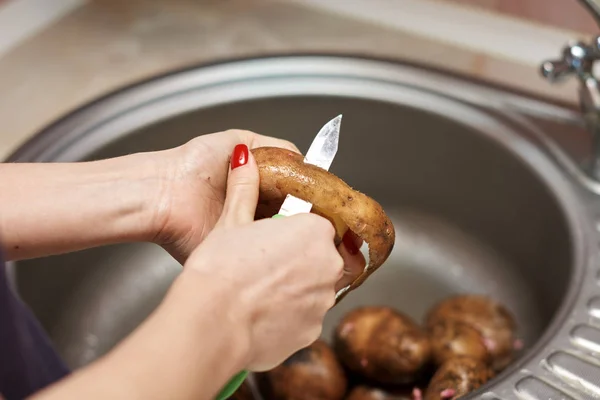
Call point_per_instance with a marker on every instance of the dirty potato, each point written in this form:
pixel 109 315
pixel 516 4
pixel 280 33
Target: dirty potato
pixel 382 345
pixel 312 373
pixel 450 339
pixel 474 326
pixel 284 172
pixel 457 377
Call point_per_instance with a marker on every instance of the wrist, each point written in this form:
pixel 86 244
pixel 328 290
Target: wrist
pixel 89 203
pixel 189 348
pixel 169 221
pixel 137 186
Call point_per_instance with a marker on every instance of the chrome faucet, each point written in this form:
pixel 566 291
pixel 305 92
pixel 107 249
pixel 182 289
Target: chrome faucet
pixel 578 59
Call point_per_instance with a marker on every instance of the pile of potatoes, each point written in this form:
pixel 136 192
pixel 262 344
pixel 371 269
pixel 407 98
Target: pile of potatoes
pixel 378 353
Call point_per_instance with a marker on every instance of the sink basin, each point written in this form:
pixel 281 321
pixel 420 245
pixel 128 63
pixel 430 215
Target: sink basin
pixel 481 200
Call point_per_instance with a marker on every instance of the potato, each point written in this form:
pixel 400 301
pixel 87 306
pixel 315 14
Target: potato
pixel 312 373
pixel 244 392
pixel 284 172
pixel 472 325
pixel 457 377
pixel 364 392
pixel 382 345
pixel 450 339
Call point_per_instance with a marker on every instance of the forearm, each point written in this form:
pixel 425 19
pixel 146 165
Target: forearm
pixel 187 349
pixel 53 208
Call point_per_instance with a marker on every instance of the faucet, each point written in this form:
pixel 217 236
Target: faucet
pixel 578 59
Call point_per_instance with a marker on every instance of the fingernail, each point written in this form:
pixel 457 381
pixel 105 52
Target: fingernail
pixel 349 243
pixel 239 156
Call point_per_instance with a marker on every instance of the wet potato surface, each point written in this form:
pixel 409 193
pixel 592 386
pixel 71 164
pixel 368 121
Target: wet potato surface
pixel 284 172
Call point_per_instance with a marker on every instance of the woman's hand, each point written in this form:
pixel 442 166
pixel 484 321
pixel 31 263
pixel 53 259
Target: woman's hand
pixel 282 272
pixel 172 197
pixel 193 194
pixel 194 178
pixel 250 295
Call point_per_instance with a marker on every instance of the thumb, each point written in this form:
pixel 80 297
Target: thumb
pixel 242 188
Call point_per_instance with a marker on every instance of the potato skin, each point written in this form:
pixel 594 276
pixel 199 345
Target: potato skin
pixel 312 373
pixel 457 377
pixel 450 339
pixel 284 172
pixel 452 323
pixel 381 345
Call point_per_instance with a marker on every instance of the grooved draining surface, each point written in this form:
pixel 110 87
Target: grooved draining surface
pixel 533 388
pixel 576 371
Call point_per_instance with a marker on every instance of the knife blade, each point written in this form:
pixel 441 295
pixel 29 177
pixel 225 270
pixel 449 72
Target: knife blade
pixel 321 153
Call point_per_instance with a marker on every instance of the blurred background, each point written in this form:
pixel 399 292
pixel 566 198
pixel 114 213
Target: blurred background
pixel 57 54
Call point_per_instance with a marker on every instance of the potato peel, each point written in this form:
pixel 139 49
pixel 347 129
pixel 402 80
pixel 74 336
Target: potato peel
pixel 284 172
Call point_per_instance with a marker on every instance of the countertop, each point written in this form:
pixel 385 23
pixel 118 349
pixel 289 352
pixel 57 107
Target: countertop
pixel 101 45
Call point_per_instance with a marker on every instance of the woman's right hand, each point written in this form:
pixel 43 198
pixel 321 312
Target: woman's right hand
pixel 280 273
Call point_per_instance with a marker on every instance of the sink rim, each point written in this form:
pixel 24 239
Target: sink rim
pixel 551 173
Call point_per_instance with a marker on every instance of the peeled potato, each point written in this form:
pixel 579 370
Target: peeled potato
pixel 382 345
pixel 312 373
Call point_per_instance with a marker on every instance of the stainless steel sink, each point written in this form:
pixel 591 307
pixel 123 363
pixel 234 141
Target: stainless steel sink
pixel 483 186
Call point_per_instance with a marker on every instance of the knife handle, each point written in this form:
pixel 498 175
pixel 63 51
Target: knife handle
pixel 235 382
pixel 233 385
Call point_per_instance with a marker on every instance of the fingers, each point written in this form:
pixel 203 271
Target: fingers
pixel 354 261
pixel 285 145
pixel 242 189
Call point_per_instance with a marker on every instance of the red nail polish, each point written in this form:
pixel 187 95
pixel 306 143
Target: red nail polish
pixel 239 156
pixel 349 243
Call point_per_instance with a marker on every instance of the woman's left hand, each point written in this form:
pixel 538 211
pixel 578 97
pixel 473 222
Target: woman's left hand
pixel 193 187
pixel 192 197
pixel 171 197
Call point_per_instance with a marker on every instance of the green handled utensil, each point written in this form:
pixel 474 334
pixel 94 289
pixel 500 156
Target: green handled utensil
pixel 233 385
pixel 321 153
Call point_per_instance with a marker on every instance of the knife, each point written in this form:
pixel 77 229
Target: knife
pixel 321 153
